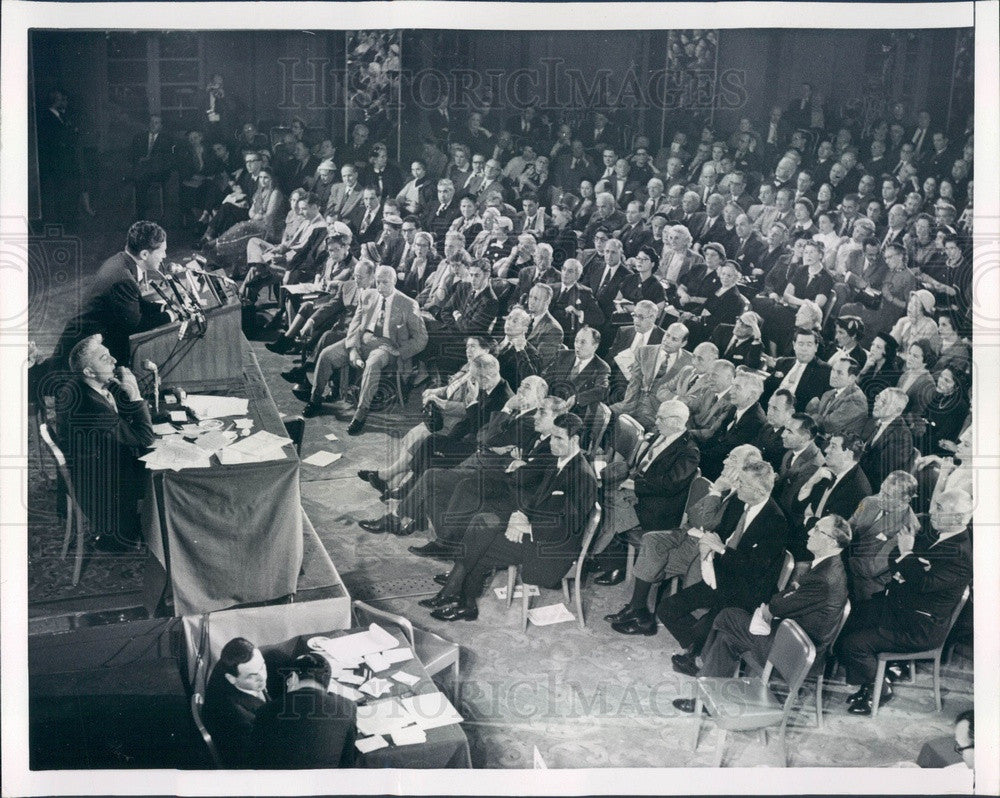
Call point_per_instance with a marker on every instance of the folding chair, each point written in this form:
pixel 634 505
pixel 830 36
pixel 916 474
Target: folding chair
pixel 199 679
pixel 745 703
pixel 575 572
pixel 786 571
pixel 73 512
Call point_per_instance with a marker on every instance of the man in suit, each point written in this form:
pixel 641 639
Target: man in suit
pixel 713 226
pixel 235 694
pixel 517 356
pixel 438 218
pixel 538 270
pixel 805 376
pixel 649 491
pixel 606 215
pixel 888 440
pixel 116 305
pixel 843 409
pixel 653 369
pixel 104 427
pixel 150 156
pixel 380 174
pixel 608 283
pixel 545 333
pixel 632 337
pixel 573 167
pixel 584 375
pixel 573 304
pixel 345 195
pixel 386 329
pixel 743 420
pixel 780 408
pixel 541 529
pixel 802 458
pixel 366 219
pixel 750 249
pixel 815 602
pixel 309 727
pixel 930 576
pixel 740 572
pixel 471 309
pixel 635 234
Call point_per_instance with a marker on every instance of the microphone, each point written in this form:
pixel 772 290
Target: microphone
pixel 180 311
pixel 151 367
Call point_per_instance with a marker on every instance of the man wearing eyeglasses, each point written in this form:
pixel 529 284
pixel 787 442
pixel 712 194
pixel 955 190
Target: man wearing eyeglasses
pixel 642 332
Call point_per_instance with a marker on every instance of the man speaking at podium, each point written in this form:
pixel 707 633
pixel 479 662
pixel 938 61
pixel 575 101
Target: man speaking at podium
pixel 116 305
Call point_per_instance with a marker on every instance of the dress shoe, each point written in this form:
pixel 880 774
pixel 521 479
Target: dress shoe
pixel 441 579
pixel 613 577
pixel 685 663
pixel 437 601
pixel 280 346
pixel 357 426
pixel 863 705
pixel 294 375
pixel 405 529
pixel 379 525
pixel 687 705
pixel 626 613
pixel 898 672
pixel 864 692
pixel 373 479
pixel 302 391
pixel 435 549
pixel 457 612
pixel 636 626
pixel 313 409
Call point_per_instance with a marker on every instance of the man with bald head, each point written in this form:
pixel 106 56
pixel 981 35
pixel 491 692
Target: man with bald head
pixel 642 332
pixel 750 249
pixel 651 373
pixel 573 304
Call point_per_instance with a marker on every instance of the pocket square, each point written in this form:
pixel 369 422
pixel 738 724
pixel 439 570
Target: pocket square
pixel 558 493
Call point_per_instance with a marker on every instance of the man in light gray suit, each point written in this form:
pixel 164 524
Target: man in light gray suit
pixel 843 409
pixel 654 368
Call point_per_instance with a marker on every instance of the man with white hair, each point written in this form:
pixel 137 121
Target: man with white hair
pixel 536 270
pixel 518 357
pixel 606 214
pixel 438 217
pixel 677 258
pixel 387 329
pixel 887 438
pixel 743 421
pixel 930 576
pixel 573 303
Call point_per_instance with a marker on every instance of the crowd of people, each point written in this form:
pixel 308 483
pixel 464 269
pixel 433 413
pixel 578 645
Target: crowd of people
pixel 784 311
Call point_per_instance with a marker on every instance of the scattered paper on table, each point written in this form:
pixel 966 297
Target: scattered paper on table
pixel 413 735
pixel 171 452
pixel 344 691
pixel 164 429
pixel 377 662
pixel 383 716
pixel 376 687
pixel 518 591
pixel 178 415
pixel 212 441
pixel 546 616
pixel 349 677
pixel 260 446
pixel 331 436
pixel 397 655
pixel 244 423
pixel 431 710
pixel 208 406
pixel 350 650
pixel 366 744
pixel 322 459
pixel 406 678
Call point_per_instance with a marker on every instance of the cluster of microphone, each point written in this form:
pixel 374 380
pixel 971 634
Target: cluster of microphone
pixel 178 297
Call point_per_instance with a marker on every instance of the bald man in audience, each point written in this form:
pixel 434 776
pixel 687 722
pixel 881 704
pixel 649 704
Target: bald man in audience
pixel 653 369
pixel 709 408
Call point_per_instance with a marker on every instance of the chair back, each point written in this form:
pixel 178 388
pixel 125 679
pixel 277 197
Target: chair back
pixel 831 638
pixel 792 655
pixel 365 614
pixel 958 610
pixel 698 490
pixel 593 522
pixel 786 571
pixel 628 436
pixel 46 435
pixel 197 702
pixel 602 418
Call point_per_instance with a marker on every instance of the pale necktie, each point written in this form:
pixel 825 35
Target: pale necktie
pixel 649 455
pixel 378 318
pixel 791 381
pixel 734 539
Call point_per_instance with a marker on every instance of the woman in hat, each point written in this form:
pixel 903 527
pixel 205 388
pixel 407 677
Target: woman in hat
pixel 803 226
pixel 702 280
pixel 918 323
pixel 740 343
pixel 847 334
pixel 644 282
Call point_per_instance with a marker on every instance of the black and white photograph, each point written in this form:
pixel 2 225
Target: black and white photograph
pixel 412 389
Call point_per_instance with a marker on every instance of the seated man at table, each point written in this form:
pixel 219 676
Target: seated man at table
pixel 540 529
pixel 740 572
pixel 234 695
pixel 104 426
pixel 387 329
pixel 308 727
pixel 816 602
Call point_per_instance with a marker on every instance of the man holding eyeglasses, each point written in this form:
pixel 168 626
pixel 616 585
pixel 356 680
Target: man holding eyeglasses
pixel 642 332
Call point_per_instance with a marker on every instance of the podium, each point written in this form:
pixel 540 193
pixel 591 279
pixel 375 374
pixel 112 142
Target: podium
pixel 212 361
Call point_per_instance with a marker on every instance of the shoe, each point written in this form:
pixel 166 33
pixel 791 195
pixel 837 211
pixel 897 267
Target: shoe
pixel 626 613
pixel 864 692
pixel 441 579
pixel 687 705
pixel 435 549
pixel 456 612
pixel 404 530
pixel 373 479
pixel 685 663
pixel 356 427
pixel 295 375
pixel 863 706
pixel 395 493
pixel 613 577
pixel 898 672
pixel 281 346
pixel 302 390
pixel 437 601
pixel 636 626
pixel 313 409
pixel 379 525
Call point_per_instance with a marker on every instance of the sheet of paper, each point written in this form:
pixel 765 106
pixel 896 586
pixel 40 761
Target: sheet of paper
pixel 350 650
pixel 208 406
pixel 376 687
pixel 322 459
pixel 377 662
pixel 501 592
pixel 397 655
pixel 349 677
pixel 344 691
pixel 331 436
pixel 546 616
pixel 405 678
pixel 228 456
pixel 383 716
pixel 758 626
pixel 261 446
pixel 244 423
pixel 366 744
pixel 174 453
pixel 164 429
pixel 211 442
pixel 178 415
pixel 413 735
pixel 625 359
pixel 431 710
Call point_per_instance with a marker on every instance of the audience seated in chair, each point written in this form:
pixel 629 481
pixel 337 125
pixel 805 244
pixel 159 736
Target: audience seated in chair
pixel 235 694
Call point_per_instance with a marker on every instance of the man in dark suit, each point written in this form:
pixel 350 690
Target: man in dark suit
pixel 750 249
pixel 539 271
pixel 234 695
pixel 104 426
pixel 607 283
pixel 150 156
pixel 801 459
pixel 116 305
pixel 606 215
pixel 744 419
pixel 584 374
pixel 635 234
pixel 713 226
pixel 438 217
pixel 544 332
pixel 888 440
pixel 815 602
pixel 573 304
pixel 309 727
pixel 930 576
pixel 769 441
pixel 365 220
pixel 382 175
pixel 539 529
pixel 740 572
pixel 471 309
pixel 805 376
pixel 517 356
